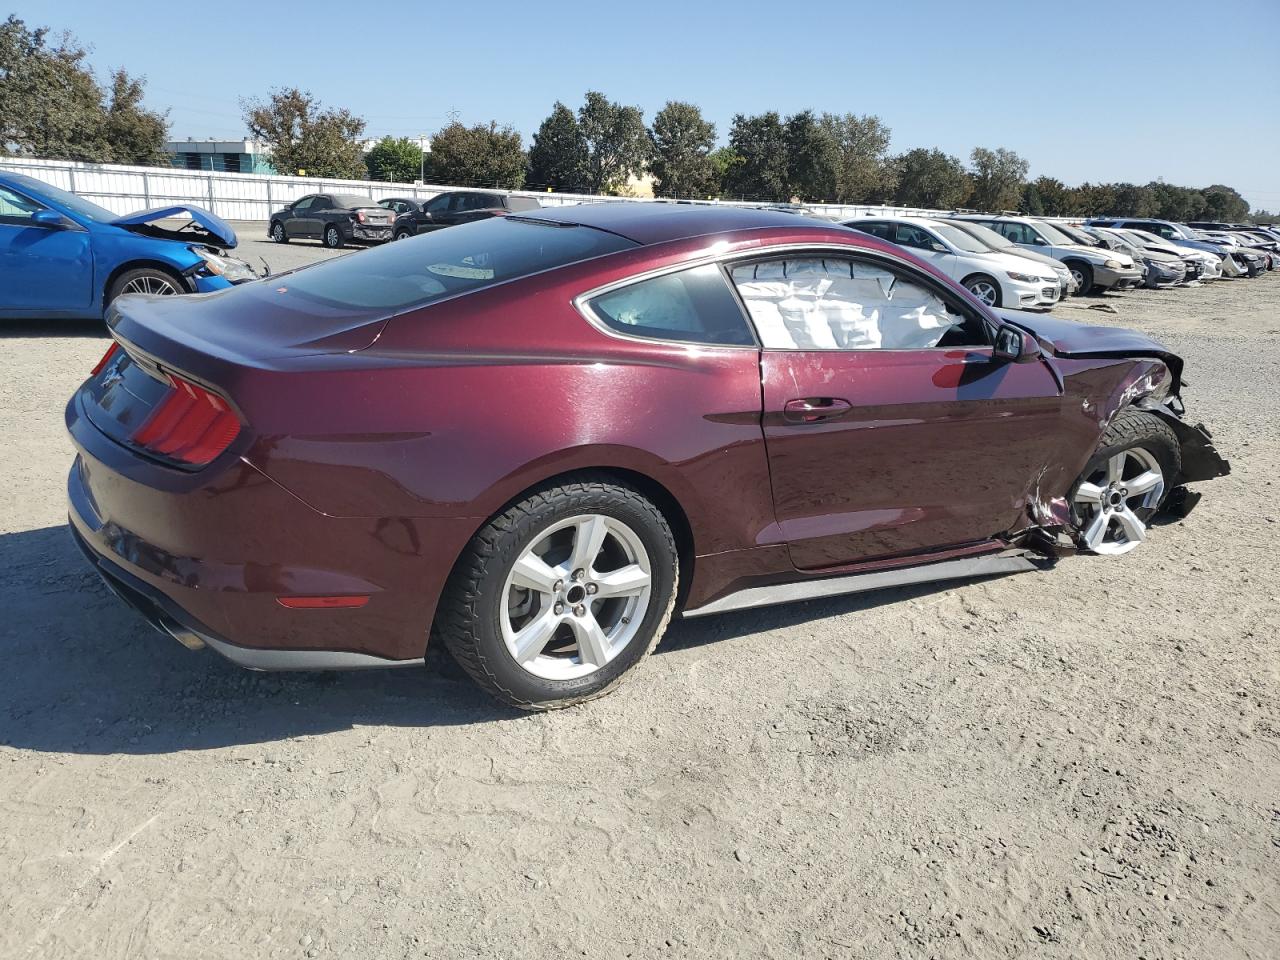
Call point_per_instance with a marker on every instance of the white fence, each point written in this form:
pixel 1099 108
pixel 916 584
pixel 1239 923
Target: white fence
pixel 252 196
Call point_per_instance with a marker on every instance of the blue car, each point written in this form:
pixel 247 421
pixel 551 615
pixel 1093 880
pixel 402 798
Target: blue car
pixel 62 257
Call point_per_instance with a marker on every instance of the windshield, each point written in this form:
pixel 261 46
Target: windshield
pixel 1079 236
pixel 988 236
pixel 77 205
pixel 422 270
pixel 959 239
pixel 1053 234
pixel 1142 238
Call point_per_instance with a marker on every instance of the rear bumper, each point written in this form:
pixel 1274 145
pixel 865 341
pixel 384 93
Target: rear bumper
pixel 215 551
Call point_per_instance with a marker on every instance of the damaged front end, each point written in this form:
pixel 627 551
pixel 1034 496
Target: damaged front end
pixel 1149 379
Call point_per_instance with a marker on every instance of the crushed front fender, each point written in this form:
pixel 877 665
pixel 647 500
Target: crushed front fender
pixel 1200 459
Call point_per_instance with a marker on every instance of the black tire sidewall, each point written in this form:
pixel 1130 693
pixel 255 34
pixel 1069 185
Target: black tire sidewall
pixel 331 231
pixel 278 234
pixel 653 533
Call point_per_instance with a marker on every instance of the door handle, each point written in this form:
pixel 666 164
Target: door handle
pixel 815 409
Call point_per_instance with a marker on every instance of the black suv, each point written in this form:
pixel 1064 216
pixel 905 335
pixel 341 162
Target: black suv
pixel 335 219
pixel 459 206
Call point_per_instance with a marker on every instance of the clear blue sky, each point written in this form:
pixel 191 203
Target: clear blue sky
pixel 1180 90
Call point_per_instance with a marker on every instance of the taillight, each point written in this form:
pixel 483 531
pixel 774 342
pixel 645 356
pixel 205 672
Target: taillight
pixel 106 358
pixel 190 424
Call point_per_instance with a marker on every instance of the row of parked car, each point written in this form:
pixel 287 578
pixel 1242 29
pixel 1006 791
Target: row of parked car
pixel 336 219
pixel 1030 263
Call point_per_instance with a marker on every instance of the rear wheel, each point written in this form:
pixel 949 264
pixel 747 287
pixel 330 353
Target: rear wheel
pixel 1125 483
pixel 278 234
pixel 1083 274
pixel 402 235
pixel 150 280
pixel 984 288
pixel 332 237
pixel 562 594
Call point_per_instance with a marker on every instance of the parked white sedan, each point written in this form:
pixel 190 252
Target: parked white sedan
pixel 997 279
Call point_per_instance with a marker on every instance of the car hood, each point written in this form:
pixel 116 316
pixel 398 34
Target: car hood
pixel 215 231
pixel 1068 338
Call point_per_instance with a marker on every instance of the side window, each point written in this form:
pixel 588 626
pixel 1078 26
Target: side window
pixel 321 203
pixel 303 205
pixel 913 236
pixel 850 304
pixel 439 203
pixel 881 230
pixel 15 208
pixel 693 306
pixel 1011 231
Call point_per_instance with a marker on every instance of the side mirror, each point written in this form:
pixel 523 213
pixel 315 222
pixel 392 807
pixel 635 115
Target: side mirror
pixel 47 218
pixel 1040 242
pixel 936 247
pixel 1016 346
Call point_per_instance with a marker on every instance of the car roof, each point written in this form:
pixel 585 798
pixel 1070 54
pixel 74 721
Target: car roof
pixel 655 222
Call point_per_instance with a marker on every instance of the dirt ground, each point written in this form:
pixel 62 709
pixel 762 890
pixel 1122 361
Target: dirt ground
pixel 1081 763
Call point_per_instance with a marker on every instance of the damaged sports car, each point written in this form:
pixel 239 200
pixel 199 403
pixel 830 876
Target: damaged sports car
pixel 536 438
pixel 65 257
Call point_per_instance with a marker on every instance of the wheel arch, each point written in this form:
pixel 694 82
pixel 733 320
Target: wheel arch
pixel 145 264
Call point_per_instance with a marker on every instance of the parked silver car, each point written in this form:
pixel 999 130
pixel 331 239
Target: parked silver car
pixel 1002 244
pixel 1093 269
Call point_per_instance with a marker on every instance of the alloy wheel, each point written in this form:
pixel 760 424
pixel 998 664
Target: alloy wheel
pixel 1113 503
pixel 150 283
pixel 984 291
pixel 575 597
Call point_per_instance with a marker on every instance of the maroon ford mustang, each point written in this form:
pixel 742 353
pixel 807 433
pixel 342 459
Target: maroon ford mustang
pixel 536 438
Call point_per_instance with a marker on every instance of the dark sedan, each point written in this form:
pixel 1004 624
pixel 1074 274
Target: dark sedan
pixel 457 207
pixel 537 438
pixel 335 219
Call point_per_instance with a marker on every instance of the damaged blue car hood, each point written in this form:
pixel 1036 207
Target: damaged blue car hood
pixel 218 228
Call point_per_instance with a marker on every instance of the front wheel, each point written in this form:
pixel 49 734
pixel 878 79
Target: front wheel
pixel 332 237
pixel 144 280
pixel 1124 483
pixel 984 288
pixel 278 234
pixel 1083 274
pixel 402 235
pixel 562 594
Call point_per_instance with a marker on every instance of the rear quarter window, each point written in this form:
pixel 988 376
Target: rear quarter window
pixel 690 306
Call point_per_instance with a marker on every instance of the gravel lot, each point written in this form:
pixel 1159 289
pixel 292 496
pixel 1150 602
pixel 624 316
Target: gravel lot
pixel 1081 763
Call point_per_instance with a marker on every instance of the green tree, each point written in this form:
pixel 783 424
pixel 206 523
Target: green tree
pixel 1224 203
pixel 680 152
pixel 617 142
pixel 1131 200
pixel 485 155
pixel 1030 203
pixel 136 135
pixel 558 155
pixel 723 160
pixel 1090 198
pixel 812 155
pixel 304 137
pixel 1056 199
pixel 760 144
pixel 395 159
pixel 998 176
pixel 930 179
pixel 863 173
pixel 52 107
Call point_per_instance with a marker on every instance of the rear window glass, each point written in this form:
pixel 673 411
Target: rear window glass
pixel 351 201
pixel 693 306
pixel 522 203
pixel 444 263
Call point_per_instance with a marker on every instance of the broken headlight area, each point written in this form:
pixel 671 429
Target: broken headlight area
pixel 229 268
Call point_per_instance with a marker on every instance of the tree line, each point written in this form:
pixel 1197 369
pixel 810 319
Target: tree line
pixel 52 106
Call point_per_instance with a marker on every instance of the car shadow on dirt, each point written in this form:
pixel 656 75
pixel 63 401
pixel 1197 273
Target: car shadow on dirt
pixel 85 674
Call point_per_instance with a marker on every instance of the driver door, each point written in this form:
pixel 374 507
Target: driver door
pixel 43 266
pixel 296 223
pixel 890 426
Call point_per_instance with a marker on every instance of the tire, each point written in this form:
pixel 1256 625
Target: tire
pixel 1083 274
pixel 985 288
pixel 486 615
pixel 277 232
pixel 332 237
pixel 402 235
pixel 145 280
pixel 1114 499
